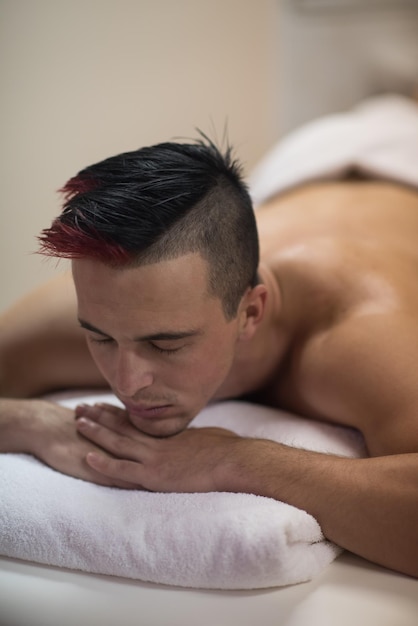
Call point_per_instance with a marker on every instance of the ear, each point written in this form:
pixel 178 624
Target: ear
pixel 251 311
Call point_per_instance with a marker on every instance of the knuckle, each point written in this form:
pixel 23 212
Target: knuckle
pixel 122 446
pixel 125 470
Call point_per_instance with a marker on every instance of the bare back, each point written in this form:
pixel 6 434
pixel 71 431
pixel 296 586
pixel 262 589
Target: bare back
pixel 376 219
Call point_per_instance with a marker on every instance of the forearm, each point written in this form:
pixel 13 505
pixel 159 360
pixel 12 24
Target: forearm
pixel 368 506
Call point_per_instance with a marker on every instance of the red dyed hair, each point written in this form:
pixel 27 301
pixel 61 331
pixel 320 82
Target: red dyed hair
pixel 78 184
pixel 69 242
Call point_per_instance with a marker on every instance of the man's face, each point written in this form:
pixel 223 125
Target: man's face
pixel 158 337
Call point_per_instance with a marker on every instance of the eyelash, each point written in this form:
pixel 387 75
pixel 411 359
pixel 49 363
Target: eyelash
pixel 164 350
pixel 100 340
pixel 157 348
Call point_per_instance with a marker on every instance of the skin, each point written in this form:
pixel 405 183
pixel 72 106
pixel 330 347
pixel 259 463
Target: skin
pixel 330 334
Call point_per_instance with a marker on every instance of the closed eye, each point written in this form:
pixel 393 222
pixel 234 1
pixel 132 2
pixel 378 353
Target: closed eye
pixel 165 350
pixel 109 340
pixel 101 340
pixel 100 337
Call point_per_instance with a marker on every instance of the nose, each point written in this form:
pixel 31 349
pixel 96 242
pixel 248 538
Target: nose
pixel 132 373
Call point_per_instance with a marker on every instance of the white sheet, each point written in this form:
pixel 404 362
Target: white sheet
pixel 213 540
pixel 350 591
pixel 379 138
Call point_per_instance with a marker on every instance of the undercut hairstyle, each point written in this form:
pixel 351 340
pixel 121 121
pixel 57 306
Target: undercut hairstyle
pixel 158 203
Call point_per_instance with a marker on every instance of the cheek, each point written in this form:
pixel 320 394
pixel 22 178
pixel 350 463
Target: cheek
pixel 206 371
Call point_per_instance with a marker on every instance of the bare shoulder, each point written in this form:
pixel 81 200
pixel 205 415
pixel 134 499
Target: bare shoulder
pixel 42 347
pixel 362 372
pixel 345 256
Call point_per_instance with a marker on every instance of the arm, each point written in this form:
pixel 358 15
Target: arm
pixel 363 373
pixel 368 506
pixel 42 347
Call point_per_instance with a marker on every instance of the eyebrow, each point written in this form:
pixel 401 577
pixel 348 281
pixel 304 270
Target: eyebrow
pixel 161 336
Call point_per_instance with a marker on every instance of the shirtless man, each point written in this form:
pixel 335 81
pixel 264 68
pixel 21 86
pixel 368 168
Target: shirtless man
pixel 326 327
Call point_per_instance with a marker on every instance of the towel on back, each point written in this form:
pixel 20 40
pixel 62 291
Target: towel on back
pixel 378 138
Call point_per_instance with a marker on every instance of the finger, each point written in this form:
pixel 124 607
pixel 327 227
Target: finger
pixel 114 420
pixel 86 410
pixel 115 443
pixel 98 407
pixel 94 411
pixel 100 479
pixel 117 410
pixel 117 469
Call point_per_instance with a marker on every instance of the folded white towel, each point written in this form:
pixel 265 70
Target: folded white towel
pixel 378 137
pixel 208 540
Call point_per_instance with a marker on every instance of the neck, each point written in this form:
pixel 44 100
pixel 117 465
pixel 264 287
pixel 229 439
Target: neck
pixel 258 360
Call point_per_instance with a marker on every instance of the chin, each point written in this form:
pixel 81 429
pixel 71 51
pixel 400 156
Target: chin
pixel 160 428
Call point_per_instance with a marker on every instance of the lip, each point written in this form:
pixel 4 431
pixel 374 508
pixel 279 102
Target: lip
pixel 147 412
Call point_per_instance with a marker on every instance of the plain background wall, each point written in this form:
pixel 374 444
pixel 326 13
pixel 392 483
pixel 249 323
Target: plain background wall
pixel 82 80
pixel 334 53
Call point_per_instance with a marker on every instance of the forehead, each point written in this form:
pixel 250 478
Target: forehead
pixel 170 289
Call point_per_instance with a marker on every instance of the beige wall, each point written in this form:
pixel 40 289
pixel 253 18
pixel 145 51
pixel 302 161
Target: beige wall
pixel 85 79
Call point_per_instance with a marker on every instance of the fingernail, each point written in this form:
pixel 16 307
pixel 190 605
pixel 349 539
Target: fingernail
pixel 83 422
pixel 94 458
pixel 80 408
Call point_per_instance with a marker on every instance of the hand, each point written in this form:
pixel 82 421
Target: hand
pixel 47 431
pixel 195 460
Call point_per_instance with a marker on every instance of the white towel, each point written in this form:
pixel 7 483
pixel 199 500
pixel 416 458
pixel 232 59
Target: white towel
pixel 208 540
pixel 378 137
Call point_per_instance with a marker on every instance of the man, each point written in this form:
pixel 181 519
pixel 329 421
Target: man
pixel 177 310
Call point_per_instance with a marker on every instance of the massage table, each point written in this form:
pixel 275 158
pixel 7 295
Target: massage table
pixel 349 592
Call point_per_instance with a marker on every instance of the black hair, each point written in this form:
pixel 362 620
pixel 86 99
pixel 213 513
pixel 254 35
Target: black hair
pixel 160 202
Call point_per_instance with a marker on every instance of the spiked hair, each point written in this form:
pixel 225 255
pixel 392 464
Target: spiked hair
pixel 158 203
